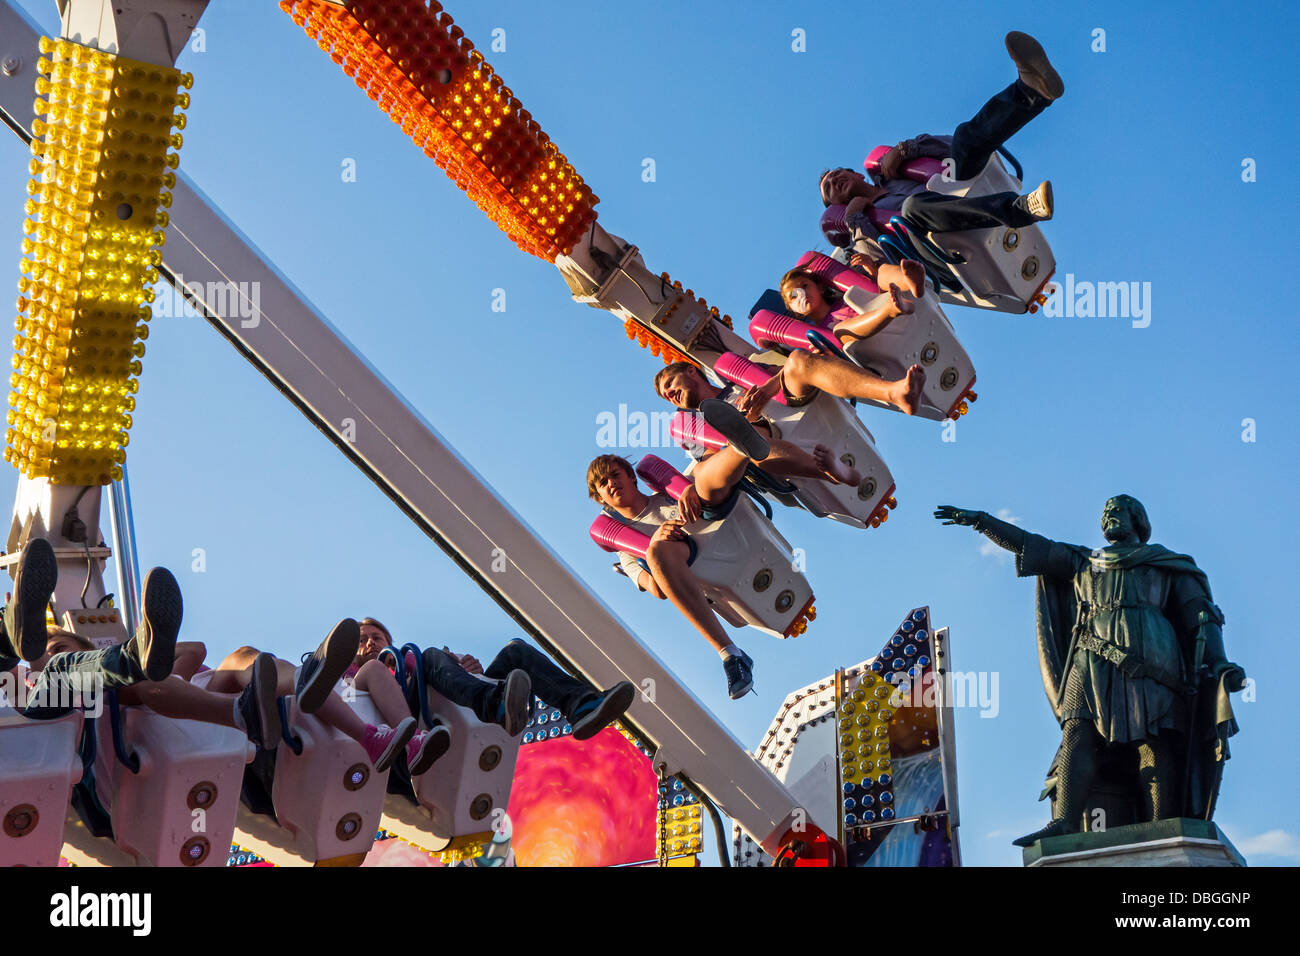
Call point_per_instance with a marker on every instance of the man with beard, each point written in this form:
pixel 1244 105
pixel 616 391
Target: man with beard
pixel 1131 648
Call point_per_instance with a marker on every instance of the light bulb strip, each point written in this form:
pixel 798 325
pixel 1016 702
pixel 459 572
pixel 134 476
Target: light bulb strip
pixel 419 68
pixel 103 151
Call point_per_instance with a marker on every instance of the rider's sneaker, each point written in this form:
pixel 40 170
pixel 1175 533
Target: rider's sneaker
pixel 516 692
pixel 594 715
pixel 322 668
pixel 257 706
pixel 1035 69
pixel 1039 202
pixel 24 615
pixel 161 610
pixel 736 428
pixel 382 744
pixel 424 749
pixel 740 675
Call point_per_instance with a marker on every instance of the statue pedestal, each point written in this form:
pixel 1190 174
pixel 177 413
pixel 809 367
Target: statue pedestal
pixel 1177 842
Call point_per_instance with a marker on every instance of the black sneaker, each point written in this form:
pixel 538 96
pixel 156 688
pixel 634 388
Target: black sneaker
pixel 257 704
pixel 24 616
pixel 322 668
pixel 736 428
pixel 514 695
pixel 740 675
pixel 607 708
pixel 161 610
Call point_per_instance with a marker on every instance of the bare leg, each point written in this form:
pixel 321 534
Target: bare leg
pixel 805 371
pixel 790 461
pixel 177 697
pixel 872 321
pixel 189 658
pixel 235 672
pixel 716 475
pixel 674 580
pixel 226 678
pixel 336 713
pixel 375 679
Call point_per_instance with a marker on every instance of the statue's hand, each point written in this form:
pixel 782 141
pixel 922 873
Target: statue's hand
pixel 950 515
pixel 1236 675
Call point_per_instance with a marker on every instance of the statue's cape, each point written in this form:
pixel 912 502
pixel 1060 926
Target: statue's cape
pixel 1056 610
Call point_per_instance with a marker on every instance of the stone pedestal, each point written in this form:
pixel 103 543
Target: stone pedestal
pixel 1177 842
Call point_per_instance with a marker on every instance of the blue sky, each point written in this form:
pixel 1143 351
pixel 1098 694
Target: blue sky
pixel 1145 152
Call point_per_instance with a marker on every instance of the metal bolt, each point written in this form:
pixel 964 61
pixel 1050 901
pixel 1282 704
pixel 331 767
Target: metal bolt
pixel 11 65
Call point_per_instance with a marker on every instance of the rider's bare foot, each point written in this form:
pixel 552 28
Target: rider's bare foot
pixel 899 275
pixel 900 303
pixel 837 471
pixel 915 273
pixel 907 390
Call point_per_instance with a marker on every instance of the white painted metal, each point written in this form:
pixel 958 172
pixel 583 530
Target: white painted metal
pixel 154 31
pixel 463 797
pixel 152 819
pixel 925 338
pixel 830 421
pixel 38 767
pixel 1005 268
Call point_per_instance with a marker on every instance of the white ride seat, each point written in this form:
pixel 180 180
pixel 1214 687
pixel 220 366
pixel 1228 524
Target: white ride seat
pixel 461 800
pixel 180 808
pixel 39 764
pixel 746 567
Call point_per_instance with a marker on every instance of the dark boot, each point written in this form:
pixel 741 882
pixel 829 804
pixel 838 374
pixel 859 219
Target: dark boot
pixel 153 648
pixel 24 616
pixel 1076 766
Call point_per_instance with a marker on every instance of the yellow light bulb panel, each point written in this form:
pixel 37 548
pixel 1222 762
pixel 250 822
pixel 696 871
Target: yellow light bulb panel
pixel 420 68
pixel 104 151
pixel 680 820
pixel 866 762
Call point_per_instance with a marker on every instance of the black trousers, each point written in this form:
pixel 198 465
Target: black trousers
pixel 551 684
pixel 973 142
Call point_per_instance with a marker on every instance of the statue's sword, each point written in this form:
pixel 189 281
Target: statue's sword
pixel 1198 665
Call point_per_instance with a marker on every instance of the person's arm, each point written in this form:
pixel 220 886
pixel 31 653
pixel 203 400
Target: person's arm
pixel 1203 619
pixel 865 253
pixel 631 566
pixel 755 399
pixel 469 663
pixel 924 146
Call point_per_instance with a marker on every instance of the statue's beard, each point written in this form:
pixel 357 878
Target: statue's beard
pixel 1115 532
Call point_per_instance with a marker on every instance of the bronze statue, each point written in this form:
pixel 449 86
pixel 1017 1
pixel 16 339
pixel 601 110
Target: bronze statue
pixel 1130 645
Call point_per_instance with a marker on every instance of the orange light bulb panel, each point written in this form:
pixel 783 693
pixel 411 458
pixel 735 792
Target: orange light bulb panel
pixel 422 71
pixel 104 150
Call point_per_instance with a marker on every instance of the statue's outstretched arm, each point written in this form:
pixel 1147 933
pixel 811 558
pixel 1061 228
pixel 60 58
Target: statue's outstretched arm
pixel 1002 533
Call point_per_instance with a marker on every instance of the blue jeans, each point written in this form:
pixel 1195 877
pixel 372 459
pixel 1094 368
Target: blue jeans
pixel 973 142
pixel 84 672
pixel 551 684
